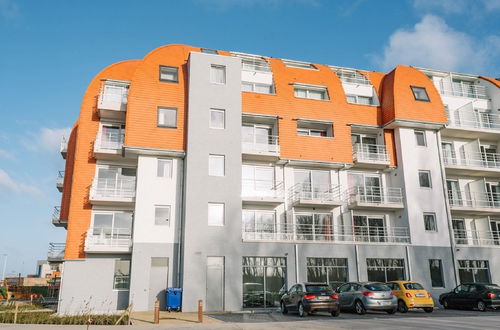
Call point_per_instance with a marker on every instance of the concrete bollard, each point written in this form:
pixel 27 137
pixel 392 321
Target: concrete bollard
pixel 157 312
pixel 200 311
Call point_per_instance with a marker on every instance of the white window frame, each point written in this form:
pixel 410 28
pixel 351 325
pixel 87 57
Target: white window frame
pixel 217 156
pixel 253 88
pixel 299 65
pixel 357 97
pixel 165 175
pixel 164 125
pixel 216 222
pixel 211 125
pixel 114 275
pixel 416 132
pixel 435 230
pixel 169 217
pixel 430 178
pixel 310 88
pixel 172 69
pixel 213 76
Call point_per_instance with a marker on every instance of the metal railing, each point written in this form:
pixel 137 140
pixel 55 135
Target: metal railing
pixel 109 141
pixel 64 145
pixel 476 237
pixel 120 187
pixel 113 96
pixel 248 65
pixel 465 90
pixel 262 188
pixel 60 178
pixel 468 117
pixel 320 192
pixel 108 237
pixel 325 233
pixel 375 195
pixel 473 159
pixel 370 153
pixel 56 250
pixel 56 213
pixel 352 77
pixel 474 200
pixel 254 146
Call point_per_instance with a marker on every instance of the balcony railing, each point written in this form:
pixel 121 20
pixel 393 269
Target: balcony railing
pixel 108 239
pixel 476 237
pixel 262 189
pixel 113 96
pixel 474 200
pixel 375 195
pixel 64 147
pixel 261 66
pixel 319 192
pixel 115 188
pixel 352 77
pixel 472 159
pixel 60 180
pixel 271 146
pixel 370 153
pixel 469 118
pixel 109 141
pixel 56 213
pixel 56 251
pixel 465 90
pixel 325 233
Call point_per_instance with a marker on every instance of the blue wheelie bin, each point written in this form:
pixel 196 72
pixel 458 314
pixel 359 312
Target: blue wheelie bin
pixel 174 299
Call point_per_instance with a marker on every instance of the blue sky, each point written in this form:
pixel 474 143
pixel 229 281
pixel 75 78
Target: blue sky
pixel 50 50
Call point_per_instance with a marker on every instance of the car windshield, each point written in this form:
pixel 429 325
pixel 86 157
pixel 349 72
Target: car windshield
pixel 318 288
pixel 413 286
pixel 377 287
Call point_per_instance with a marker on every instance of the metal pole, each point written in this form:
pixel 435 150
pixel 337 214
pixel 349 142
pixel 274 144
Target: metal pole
pixel 4 265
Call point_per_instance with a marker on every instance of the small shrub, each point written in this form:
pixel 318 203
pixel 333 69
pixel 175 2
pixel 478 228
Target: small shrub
pixel 49 318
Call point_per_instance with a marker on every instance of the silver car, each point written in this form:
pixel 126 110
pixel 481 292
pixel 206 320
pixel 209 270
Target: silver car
pixel 363 296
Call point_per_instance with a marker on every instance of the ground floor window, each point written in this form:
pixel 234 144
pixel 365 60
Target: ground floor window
pixel 264 281
pixel 333 271
pixel 436 269
pixel 474 271
pixel 121 278
pixel 384 270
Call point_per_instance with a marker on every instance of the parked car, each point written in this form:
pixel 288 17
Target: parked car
pixel 472 295
pixel 411 295
pixel 309 298
pixel 362 296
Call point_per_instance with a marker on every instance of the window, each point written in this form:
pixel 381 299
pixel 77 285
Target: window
pixel 314 226
pixel 430 222
pixel 358 99
pixel 217 119
pixel 420 93
pixel 474 271
pixel 162 215
pixel 314 128
pixel 264 281
pixel 254 63
pixel 247 86
pixel 167 117
pixel 110 227
pixel 216 165
pixel 164 168
pixel 169 73
pixel 209 51
pixel 436 269
pixel 327 270
pixel 121 276
pixel 258 181
pixel 384 270
pixel 259 224
pixel 351 76
pixel 420 137
pixel 299 65
pixel 217 74
pixel 424 178
pixel 311 92
pixel 215 214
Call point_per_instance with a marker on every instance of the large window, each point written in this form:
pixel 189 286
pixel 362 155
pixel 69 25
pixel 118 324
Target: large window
pixel 420 93
pixel 111 136
pixel 358 99
pixel 430 222
pixel 327 270
pixel 216 165
pixel 264 281
pixel 167 117
pixel 436 270
pixel 110 227
pixel 312 184
pixel 474 271
pixel 169 73
pixel 218 74
pixel 384 270
pixel 258 181
pixel 162 215
pixel 216 214
pixel 369 228
pixel 311 92
pixel 258 224
pixel 313 226
pixel 121 277
pixel 314 128
pixel 424 179
pixel 114 182
pixel 247 86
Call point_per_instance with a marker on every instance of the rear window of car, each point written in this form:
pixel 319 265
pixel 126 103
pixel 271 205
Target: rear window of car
pixel 413 286
pixel 377 287
pixel 492 287
pixel 317 288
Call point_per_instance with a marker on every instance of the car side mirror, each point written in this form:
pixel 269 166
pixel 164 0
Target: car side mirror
pixel 455 291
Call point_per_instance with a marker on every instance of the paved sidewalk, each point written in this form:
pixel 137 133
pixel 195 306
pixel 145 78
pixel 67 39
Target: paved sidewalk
pixel 145 318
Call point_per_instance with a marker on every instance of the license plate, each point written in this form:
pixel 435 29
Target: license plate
pixel 419 295
pixel 322 297
pixel 384 302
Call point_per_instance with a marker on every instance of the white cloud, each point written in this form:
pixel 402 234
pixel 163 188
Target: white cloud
pixel 432 43
pixel 9 9
pixel 47 139
pixel 9 185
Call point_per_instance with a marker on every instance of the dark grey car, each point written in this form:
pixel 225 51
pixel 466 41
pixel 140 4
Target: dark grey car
pixel 362 296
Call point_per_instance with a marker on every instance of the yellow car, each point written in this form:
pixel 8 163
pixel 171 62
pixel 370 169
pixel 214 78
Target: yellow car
pixel 411 295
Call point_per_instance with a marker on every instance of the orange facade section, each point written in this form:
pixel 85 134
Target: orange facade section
pixel 494 81
pixel 68 173
pixel 84 164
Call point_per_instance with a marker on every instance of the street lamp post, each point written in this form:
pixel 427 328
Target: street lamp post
pixel 4 264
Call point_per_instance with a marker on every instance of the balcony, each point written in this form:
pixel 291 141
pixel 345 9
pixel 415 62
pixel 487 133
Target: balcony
pixel 56 218
pixel 109 145
pixel 108 240
pixel 60 181
pixel 370 155
pixel 374 197
pixel 474 203
pixel 460 89
pixel 112 191
pixel 56 252
pixel 480 164
pixel 64 147
pixel 471 122
pixel 476 238
pixel 262 192
pixel 112 100
pixel 266 147
pixel 301 232
pixel 321 195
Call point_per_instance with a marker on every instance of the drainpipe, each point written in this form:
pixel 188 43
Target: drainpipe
pixel 296 250
pixel 356 253
pixel 408 261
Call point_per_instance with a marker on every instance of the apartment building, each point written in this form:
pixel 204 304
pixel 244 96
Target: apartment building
pixel 234 175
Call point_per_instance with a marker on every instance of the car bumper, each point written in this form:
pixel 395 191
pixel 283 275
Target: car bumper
pixel 419 304
pixel 493 303
pixel 380 305
pixel 322 307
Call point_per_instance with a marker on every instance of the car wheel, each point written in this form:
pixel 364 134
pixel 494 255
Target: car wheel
pixel 302 311
pixel 391 311
pixel 359 308
pixel 481 306
pixel 284 310
pixel 402 308
pixel 336 313
pixel 445 304
pixel 428 309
